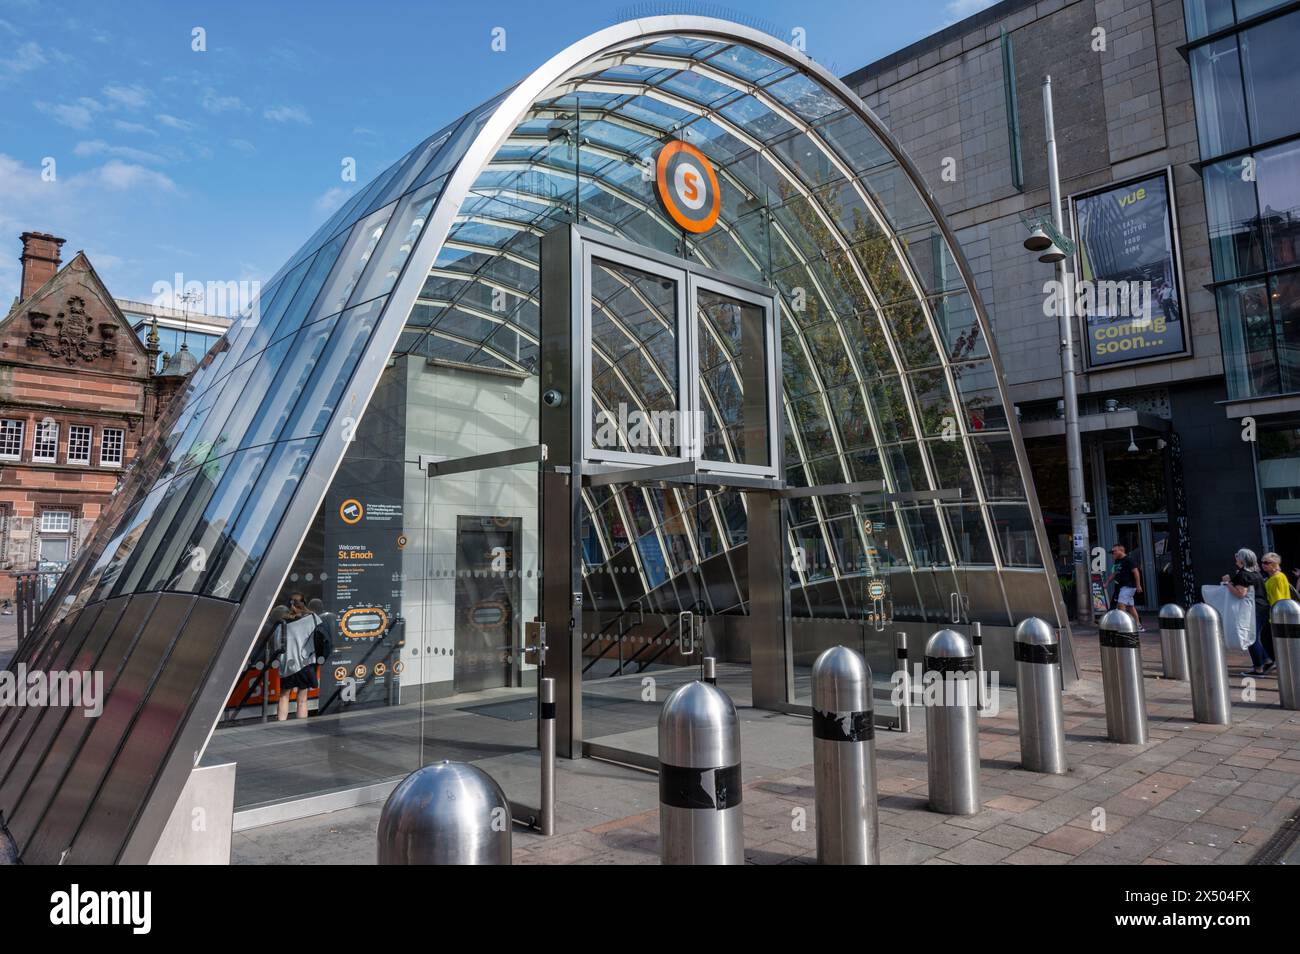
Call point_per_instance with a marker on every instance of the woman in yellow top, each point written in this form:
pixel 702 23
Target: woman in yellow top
pixel 1276 587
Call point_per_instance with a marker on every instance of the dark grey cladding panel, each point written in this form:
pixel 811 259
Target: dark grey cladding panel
pixel 72 732
pixel 164 650
pixel 23 719
pixel 85 658
pixel 146 757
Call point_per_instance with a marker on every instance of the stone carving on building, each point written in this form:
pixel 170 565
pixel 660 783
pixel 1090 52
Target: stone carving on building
pixel 72 336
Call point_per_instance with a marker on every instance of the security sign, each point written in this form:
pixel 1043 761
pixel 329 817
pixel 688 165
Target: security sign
pixel 687 187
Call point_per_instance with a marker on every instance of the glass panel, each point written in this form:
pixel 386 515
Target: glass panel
pixel 1278 173
pixel 1279 470
pixel 1246 326
pixel 1267 53
pixel 1220 103
pixel 1236 242
pixel 1206 16
pixel 634 361
pixel 733 365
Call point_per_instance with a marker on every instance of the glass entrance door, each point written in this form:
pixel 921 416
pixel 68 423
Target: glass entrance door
pixel 1149 544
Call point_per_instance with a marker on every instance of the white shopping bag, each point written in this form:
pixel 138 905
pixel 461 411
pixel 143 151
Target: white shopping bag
pixel 1236 612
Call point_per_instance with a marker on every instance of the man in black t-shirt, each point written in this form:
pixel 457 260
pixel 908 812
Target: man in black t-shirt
pixel 1126 581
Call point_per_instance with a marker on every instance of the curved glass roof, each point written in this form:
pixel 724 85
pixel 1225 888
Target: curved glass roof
pixel 888 373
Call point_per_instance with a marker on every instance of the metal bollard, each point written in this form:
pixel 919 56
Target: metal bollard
pixel 952 733
pixel 700 820
pixel 1038 689
pixel 1286 650
pixel 977 643
pixel 1173 642
pixel 844 759
pixel 546 715
pixel 904 688
pixel 1121 678
pixel 709 670
pixel 1211 701
pixel 445 814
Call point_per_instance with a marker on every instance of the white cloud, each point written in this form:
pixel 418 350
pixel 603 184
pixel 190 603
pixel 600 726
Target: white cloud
pixel 961 9
pixel 121 125
pixel 116 174
pixel 287 114
pixel 174 122
pixel 26 58
pixel 78 115
pixel 128 97
pixel 330 199
pixel 97 147
pixel 243 145
pixel 213 102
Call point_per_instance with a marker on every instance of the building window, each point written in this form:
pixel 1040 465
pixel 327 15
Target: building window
pixel 45 445
pixel 1242 86
pixel 111 447
pixel 11 438
pixel 55 536
pixel 79 436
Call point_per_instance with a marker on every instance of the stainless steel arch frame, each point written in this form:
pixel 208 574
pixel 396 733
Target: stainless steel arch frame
pixel 172 632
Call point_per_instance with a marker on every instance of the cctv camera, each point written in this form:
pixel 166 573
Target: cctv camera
pixel 553 398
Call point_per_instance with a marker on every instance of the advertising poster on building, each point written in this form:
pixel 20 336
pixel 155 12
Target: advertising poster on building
pixel 364 538
pixel 1129 292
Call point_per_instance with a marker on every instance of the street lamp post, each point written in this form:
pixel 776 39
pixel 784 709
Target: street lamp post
pixel 1049 238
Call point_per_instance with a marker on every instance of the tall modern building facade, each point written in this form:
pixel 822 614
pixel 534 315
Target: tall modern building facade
pixel 1176 134
pixel 664 352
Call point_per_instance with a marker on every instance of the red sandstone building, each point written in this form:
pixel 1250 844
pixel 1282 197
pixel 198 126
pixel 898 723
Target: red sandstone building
pixel 78 389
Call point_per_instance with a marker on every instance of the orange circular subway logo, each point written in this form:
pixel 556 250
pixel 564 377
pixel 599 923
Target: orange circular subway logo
pixel 687 187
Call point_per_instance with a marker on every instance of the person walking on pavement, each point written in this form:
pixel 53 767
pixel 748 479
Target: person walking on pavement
pixel 1245 578
pixel 1126 580
pixel 1276 587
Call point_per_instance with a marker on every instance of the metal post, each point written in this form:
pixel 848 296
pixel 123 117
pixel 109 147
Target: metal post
pixel 904 684
pixel 445 814
pixel 1211 702
pixel 844 760
pixel 1286 651
pixel 700 820
pixel 1121 679
pixel 951 730
pixel 1173 642
pixel 977 642
pixel 546 717
pixel 709 670
pixel 1069 390
pixel 1038 691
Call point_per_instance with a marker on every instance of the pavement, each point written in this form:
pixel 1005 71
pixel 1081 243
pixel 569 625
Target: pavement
pixel 1193 794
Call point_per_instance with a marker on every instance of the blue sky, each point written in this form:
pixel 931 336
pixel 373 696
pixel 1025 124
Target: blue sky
pixel 218 164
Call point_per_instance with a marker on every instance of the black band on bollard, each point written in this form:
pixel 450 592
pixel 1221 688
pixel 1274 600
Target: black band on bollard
pixel 1117 640
pixel 548 710
pixel 1286 630
pixel 844 726
pixel 977 639
pixel 701 788
pixel 950 664
pixel 1175 623
pixel 1036 653
pixel 901 653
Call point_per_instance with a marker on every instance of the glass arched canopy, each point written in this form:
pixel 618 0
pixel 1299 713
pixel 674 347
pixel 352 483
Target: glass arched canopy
pixel 888 372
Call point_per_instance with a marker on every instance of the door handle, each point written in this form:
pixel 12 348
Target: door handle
pixel 686 633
